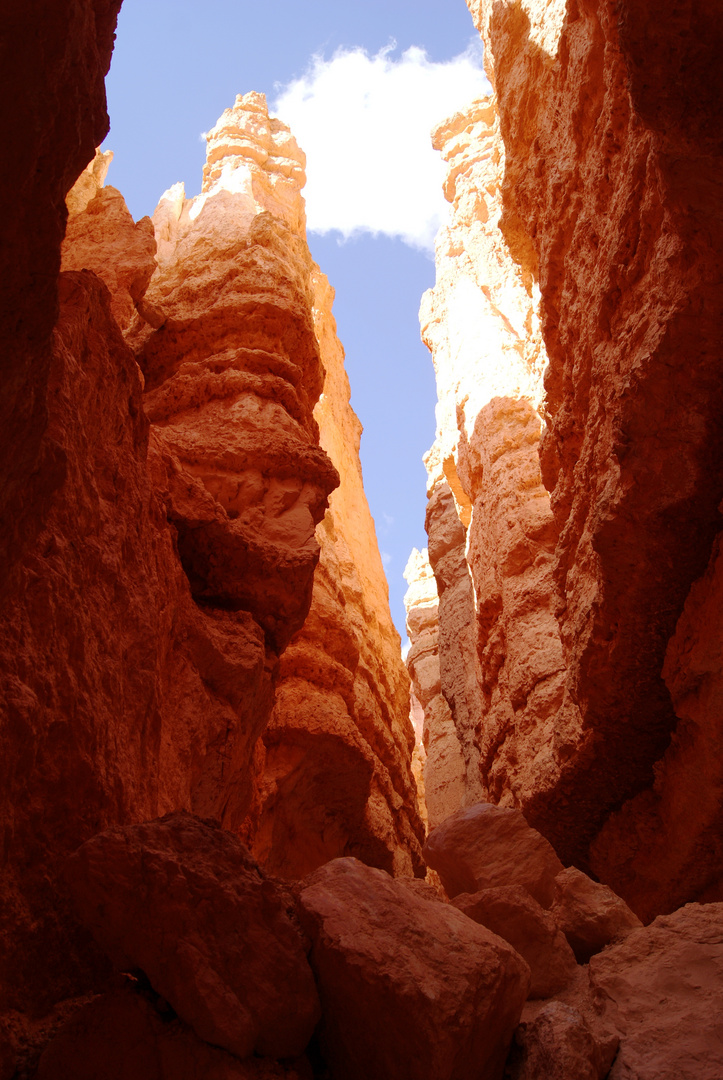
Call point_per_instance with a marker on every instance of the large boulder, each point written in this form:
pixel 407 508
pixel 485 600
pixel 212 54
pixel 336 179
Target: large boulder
pixel 185 903
pixel 514 915
pixel 483 846
pixel 558 1045
pixel 590 914
pixel 410 987
pixel 662 989
pixel 122 1035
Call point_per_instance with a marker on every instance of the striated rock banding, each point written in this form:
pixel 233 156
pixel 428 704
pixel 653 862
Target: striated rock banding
pixel 586 220
pixel 171 557
pixel 335 774
pixel 606 187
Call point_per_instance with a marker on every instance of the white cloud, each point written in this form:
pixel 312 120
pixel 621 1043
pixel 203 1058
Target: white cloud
pixel 364 123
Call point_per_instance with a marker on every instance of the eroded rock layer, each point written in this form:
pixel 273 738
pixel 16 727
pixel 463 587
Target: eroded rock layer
pixel 590 181
pixel 491 531
pixel 334 775
pixel 171 560
pixel 614 181
pixel 444 766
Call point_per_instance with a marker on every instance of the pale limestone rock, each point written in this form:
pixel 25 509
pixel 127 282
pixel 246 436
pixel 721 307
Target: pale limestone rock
pixel 500 653
pixel 89 183
pixel 459 667
pixel 444 767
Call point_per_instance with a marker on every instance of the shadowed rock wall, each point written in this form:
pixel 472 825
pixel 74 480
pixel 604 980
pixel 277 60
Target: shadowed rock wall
pixel 170 548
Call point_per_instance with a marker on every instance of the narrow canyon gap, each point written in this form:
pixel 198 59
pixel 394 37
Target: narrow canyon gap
pixel 217 854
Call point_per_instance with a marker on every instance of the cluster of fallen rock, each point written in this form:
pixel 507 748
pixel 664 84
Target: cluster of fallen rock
pixel 531 972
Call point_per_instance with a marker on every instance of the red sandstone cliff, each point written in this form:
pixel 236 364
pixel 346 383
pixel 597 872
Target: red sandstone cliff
pixel 443 769
pixel 334 775
pixel 155 570
pixel 172 559
pixel 491 533
pixel 613 184
pixel 591 180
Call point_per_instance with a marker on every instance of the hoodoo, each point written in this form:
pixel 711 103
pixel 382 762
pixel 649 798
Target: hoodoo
pixel 217 859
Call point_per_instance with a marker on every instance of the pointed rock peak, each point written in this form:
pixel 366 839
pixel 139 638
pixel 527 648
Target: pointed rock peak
pixel 250 152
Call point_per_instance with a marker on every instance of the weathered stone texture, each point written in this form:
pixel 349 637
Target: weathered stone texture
pixel 559 1043
pixel 511 912
pixel 54 117
pixel 445 789
pixel 661 991
pixel 585 229
pixel 459 667
pixel 127 1034
pixel 590 914
pixel 410 987
pixel 335 764
pixel 486 846
pixel 167 565
pixel 491 531
pixel 184 903
pixel 611 194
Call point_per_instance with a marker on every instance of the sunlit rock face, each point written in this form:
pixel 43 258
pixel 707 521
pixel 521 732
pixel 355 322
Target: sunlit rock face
pixel 590 185
pixel 233 372
pixel 171 557
pixel 613 177
pixel 444 766
pixel 334 774
pixel 491 530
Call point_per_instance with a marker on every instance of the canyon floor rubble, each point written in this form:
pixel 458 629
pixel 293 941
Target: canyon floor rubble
pixel 483 846
pixel 237 970
pixel 513 914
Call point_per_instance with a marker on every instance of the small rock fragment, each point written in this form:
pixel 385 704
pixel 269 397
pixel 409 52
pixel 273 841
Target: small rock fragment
pixel 590 915
pixel 558 1045
pixel 514 915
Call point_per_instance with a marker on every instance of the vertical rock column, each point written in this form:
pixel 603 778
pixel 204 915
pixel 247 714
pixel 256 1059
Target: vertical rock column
pixel 444 765
pixel 335 764
pixel 611 118
pixel 491 531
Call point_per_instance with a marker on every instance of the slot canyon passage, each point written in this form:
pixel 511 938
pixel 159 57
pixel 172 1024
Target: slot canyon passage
pixel 240 837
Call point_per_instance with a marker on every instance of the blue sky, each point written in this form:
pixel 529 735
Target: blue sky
pixel 178 65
